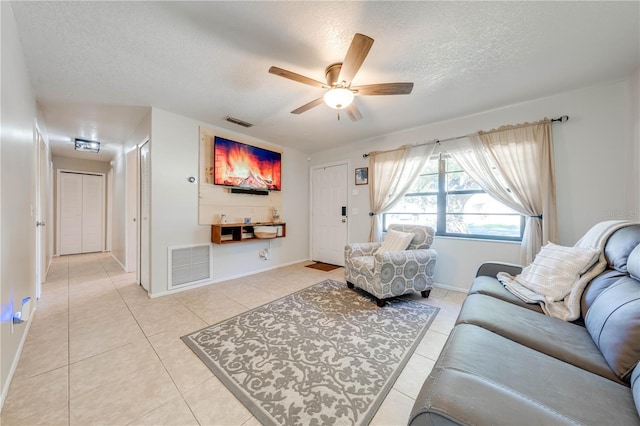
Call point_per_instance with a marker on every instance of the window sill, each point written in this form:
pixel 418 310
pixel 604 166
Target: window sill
pixel 485 240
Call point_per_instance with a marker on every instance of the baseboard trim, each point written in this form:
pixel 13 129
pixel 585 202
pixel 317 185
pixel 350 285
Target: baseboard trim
pixel 450 287
pixel 48 267
pixel 227 278
pixel 118 262
pixel 16 359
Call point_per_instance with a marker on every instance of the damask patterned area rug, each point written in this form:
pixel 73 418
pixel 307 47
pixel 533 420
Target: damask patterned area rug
pixel 323 355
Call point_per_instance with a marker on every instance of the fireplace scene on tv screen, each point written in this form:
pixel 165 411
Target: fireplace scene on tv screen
pixel 240 165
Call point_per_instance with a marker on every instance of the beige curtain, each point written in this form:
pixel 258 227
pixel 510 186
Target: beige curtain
pixel 514 164
pixel 391 173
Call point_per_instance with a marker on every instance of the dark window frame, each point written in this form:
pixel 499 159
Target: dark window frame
pixel 441 214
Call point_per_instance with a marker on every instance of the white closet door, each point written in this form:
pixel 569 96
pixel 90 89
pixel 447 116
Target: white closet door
pixel 81 213
pixel 70 213
pixel 92 213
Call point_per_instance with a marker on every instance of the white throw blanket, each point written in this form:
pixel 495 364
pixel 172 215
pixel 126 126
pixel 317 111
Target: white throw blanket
pixel 568 309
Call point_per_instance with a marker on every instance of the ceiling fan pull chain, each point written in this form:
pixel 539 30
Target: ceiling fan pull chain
pixel 338 115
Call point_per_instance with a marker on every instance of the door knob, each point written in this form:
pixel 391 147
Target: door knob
pixel 38 223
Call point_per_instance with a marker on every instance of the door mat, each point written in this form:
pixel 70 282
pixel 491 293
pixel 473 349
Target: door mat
pixel 323 266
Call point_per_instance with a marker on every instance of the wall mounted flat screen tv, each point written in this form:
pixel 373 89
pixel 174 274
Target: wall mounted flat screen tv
pixel 239 165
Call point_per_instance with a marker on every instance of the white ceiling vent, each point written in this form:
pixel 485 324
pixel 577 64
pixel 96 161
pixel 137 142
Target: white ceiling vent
pixel 237 121
pixel 189 265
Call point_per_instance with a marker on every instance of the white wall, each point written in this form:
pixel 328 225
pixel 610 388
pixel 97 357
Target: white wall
pixel 118 212
pixel 592 171
pixel 78 164
pixel 174 201
pixel 17 181
pixel 634 140
pixel 120 183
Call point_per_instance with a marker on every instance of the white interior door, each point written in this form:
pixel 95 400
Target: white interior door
pixel 329 214
pixel 132 210
pixel 92 213
pixel 42 210
pixel 145 215
pixel 108 235
pixel 70 213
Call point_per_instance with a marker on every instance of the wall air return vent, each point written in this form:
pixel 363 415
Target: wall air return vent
pixel 189 265
pixel 237 121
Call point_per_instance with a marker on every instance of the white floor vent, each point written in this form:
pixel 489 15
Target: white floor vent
pixel 189 265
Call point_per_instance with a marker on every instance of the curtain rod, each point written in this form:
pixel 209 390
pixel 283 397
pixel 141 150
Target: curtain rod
pixel 560 119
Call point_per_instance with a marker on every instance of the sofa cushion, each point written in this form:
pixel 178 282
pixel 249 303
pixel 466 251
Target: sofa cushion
pixel 490 286
pixel 562 340
pixel 483 378
pixel 619 246
pixel 610 276
pixel 614 324
pixel 635 385
pixel 597 286
pixel 633 265
pixel 363 264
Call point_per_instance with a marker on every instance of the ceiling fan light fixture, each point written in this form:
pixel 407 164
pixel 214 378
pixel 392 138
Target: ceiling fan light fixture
pixel 340 93
pixel 338 98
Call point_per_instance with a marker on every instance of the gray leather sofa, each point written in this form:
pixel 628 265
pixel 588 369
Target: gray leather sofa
pixel 507 363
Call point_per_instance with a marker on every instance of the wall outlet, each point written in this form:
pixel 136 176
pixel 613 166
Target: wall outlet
pixel 264 254
pixel 20 317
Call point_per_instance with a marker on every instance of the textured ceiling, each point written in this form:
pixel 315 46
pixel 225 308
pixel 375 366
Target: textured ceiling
pixel 208 60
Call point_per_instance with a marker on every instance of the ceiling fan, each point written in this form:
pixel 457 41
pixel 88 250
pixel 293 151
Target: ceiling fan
pixel 339 92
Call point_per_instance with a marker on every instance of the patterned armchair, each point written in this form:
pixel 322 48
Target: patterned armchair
pixel 391 274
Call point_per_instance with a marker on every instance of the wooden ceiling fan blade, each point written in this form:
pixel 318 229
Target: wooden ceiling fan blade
pixel 308 106
pixel 296 77
pixel 353 112
pixel 383 89
pixel 358 51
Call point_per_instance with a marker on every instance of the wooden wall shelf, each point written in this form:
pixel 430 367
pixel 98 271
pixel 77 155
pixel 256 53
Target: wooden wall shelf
pixel 229 233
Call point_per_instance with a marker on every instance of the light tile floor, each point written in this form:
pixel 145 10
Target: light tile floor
pixel 99 351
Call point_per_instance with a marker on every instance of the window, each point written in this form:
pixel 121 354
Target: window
pixel 447 199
